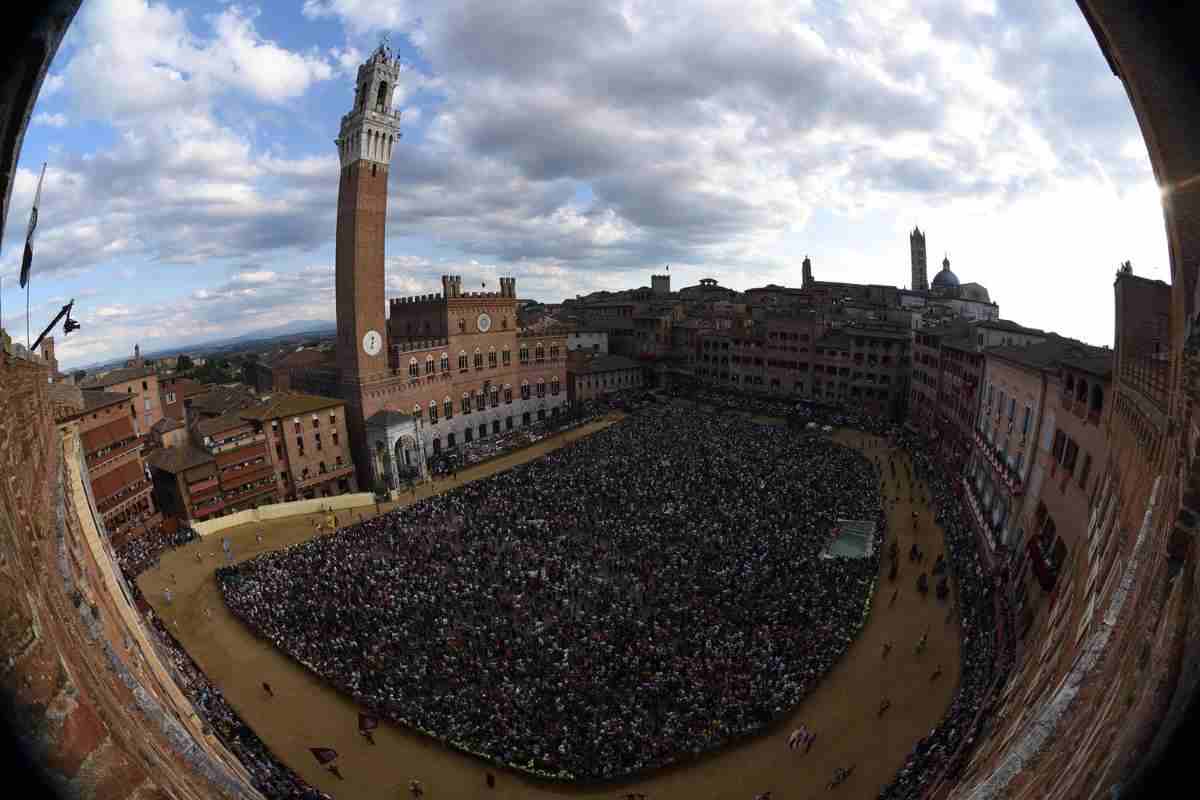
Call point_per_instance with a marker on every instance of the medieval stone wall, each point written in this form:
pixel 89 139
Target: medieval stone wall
pixel 93 700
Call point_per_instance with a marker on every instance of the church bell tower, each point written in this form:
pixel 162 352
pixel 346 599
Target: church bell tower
pixel 920 275
pixel 364 144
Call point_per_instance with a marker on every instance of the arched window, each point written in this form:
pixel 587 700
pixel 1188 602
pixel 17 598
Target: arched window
pixel 428 365
pixel 495 392
pixel 508 393
pixel 554 385
pixel 524 353
pixel 480 401
pixel 506 357
pixel 462 326
pixel 1081 390
pixel 466 403
pixel 492 357
pixel 462 360
pixel 445 362
pixel 524 390
pixel 478 359
pixel 554 352
pixel 448 407
pixel 412 368
pixel 433 411
pixel 539 353
pixel 1097 401
pixel 541 387
pixel 416 412
pixel 504 324
pixel 381 96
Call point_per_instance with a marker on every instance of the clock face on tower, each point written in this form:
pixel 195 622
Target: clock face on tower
pixel 372 343
pixel 485 323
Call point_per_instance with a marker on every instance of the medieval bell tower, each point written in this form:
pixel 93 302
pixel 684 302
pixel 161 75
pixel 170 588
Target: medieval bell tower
pixel 920 275
pixel 364 144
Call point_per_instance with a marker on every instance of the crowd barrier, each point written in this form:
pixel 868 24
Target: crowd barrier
pixel 279 510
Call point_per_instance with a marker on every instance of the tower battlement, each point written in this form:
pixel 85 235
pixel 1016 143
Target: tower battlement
pixel 452 289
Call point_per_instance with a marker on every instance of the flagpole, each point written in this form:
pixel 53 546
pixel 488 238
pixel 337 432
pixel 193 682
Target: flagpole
pixel 27 258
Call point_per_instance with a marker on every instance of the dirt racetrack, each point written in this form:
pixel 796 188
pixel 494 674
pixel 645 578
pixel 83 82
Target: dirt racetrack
pixel 842 711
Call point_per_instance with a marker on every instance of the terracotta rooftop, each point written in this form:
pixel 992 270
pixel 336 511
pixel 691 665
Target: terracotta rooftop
pixel 108 434
pixel 289 404
pixel 112 482
pixel 94 399
pixel 1054 350
pixel 601 363
pixel 1008 325
pixel 213 425
pixel 118 376
pixel 307 357
pixel 166 424
pixel 219 400
pixel 177 459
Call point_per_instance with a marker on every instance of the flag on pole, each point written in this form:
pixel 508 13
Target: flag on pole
pixel 27 259
pixel 323 754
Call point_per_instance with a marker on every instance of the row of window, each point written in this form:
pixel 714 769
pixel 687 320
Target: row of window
pixel 477 401
pixel 469 433
pixel 316 422
pixel 300 443
pixel 505 359
pixel 1012 409
pixel 1065 453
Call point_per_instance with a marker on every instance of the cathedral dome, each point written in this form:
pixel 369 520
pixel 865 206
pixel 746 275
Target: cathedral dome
pixel 945 279
pixel 975 291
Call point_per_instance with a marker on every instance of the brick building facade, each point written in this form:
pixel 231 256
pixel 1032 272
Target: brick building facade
pixel 590 376
pixel 455 363
pixel 113 456
pixel 308 444
pixel 141 383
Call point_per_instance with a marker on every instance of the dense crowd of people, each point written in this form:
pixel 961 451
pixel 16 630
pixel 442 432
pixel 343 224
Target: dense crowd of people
pixel 140 552
pixel 647 593
pixel 984 665
pixel 947 746
pixel 268 774
pixel 449 461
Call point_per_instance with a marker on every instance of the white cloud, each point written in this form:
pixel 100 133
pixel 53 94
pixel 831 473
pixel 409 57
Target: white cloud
pixel 256 276
pixel 244 60
pixel 51 85
pixel 136 57
pixel 763 128
pixel 362 16
pixel 52 120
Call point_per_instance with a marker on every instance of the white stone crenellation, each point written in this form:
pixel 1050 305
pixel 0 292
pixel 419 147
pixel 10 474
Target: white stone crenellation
pixel 372 127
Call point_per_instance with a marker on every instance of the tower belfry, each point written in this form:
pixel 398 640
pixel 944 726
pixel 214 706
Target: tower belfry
pixel 920 275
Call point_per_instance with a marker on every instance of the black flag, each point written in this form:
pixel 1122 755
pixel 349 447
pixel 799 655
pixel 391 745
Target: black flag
pixel 27 259
pixel 323 754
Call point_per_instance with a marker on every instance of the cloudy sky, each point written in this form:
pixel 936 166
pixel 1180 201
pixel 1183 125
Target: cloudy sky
pixel 578 145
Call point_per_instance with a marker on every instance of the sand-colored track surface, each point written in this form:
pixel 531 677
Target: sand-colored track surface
pixel 306 713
